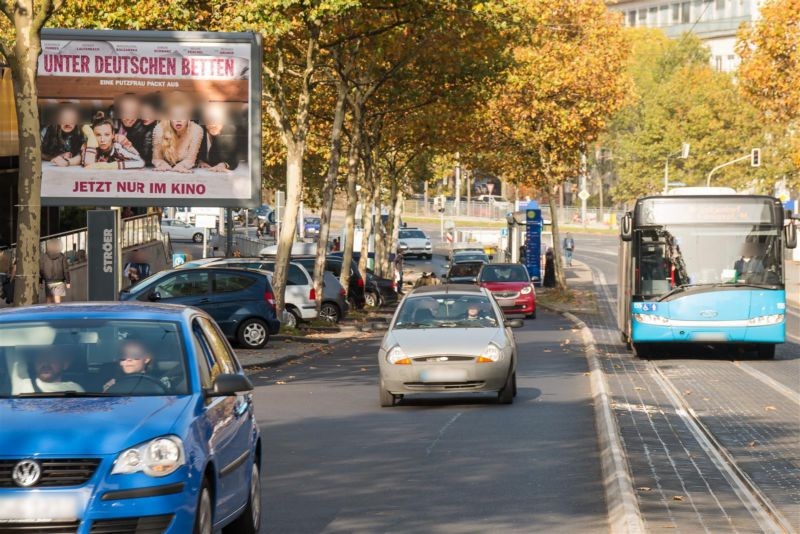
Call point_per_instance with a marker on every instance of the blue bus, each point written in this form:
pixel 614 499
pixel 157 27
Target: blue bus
pixel 704 266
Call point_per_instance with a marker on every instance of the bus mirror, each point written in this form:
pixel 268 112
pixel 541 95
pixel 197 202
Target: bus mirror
pixel 625 232
pixel 790 234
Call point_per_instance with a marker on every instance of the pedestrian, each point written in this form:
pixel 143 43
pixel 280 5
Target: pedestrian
pixel 523 251
pixel 569 246
pixel 54 272
pixel 137 269
pixel 423 280
pixel 335 246
pixel 549 268
pixel 9 267
pixel 399 261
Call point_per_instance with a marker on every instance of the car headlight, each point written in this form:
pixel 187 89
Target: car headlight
pixel 427 244
pixel 156 458
pixel 648 318
pixel 402 244
pixel 491 354
pixel 526 290
pixel 396 356
pixel 765 320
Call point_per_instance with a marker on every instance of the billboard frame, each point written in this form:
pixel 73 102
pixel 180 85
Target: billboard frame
pixel 255 111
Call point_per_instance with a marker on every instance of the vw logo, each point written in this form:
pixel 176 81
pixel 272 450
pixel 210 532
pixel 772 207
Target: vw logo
pixel 708 314
pixel 26 473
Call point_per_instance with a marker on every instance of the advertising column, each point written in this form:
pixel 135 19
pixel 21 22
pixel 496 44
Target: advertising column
pixel 103 255
pixel 533 244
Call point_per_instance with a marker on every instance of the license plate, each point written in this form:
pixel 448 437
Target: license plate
pixel 443 375
pixel 39 506
pixel 709 336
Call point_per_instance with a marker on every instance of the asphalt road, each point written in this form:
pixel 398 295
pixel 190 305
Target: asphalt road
pixel 337 462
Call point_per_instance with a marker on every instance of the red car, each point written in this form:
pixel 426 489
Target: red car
pixel 511 287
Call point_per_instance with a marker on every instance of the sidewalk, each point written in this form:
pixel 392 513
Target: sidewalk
pixel 581 285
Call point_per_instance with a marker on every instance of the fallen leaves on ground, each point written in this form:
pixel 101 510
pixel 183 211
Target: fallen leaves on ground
pixel 643 488
pixel 280 382
pixel 677 497
pixel 770 408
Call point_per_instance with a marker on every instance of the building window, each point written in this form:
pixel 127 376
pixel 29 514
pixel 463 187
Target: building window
pixel 720 5
pixel 686 12
pixel 718 63
pixel 652 18
pixel 642 17
pixel 676 13
pixel 631 18
pixel 663 18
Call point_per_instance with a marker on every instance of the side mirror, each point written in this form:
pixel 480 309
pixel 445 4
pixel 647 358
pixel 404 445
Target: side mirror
pixel 625 227
pixel 790 234
pixel 226 385
pixel 154 296
pixel 515 323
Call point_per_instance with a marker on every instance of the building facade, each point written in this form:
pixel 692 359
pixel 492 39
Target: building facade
pixel 714 21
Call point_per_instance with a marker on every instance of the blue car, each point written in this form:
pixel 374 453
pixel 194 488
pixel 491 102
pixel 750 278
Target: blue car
pixel 311 226
pixel 240 301
pixel 124 418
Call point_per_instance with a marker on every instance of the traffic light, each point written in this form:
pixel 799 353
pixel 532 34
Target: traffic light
pixel 755 157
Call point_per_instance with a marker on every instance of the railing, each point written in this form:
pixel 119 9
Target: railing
pixel 250 247
pixel 135 231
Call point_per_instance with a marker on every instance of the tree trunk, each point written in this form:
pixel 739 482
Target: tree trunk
pixel 294 188
pixel 561 280
pixel 397 212
pixel 328 190
pixel 352 201
pixel 367 224
pixel 23 65
pixel 391 224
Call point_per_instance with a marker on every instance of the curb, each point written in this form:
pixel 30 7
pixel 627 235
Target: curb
pixel 272 363
pixel 299 339
pixel 623 506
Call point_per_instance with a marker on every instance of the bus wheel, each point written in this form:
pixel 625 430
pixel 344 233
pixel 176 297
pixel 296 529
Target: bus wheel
pixel 640 351
pixel 766 352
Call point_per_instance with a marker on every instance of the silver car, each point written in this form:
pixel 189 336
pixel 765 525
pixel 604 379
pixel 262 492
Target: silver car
pixel 448 339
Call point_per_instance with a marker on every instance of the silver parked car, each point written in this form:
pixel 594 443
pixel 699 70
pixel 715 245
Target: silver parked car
pixel 448 339
pixel 183 231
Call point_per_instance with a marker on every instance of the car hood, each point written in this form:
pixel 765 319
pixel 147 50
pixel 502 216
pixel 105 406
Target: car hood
pixel 85 426
pixel 504 286
pixel 455 341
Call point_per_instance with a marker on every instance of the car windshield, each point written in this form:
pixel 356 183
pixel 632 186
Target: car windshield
pixel 91 358
pixel 412 234
pixel 504 273
pixel 312 221
pixel 464 269
pixel 446 311
pixel 469 256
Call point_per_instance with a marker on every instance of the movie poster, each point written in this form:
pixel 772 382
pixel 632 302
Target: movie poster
pixel 150 119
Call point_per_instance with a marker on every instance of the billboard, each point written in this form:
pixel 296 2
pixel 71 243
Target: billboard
pixel 150 118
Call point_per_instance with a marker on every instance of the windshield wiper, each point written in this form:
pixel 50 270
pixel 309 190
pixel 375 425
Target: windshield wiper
pixel 680 289
pixel 58 394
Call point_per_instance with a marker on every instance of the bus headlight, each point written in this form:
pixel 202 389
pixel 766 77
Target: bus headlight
pixel 765 320
pixel 648 318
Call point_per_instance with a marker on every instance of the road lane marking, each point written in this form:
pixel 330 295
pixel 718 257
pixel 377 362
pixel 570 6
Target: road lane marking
pixel 760 507
pixel 771 382
pixel 441 433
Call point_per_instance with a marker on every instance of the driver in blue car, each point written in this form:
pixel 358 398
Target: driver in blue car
pixel 135 359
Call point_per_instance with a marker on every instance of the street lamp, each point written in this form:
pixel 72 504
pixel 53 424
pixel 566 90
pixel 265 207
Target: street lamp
pixel 684 153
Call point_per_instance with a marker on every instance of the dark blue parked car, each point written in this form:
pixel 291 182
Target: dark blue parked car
pixel 124 418
pixel 241 301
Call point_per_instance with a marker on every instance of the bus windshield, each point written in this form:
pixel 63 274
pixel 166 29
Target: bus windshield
pixel 676 255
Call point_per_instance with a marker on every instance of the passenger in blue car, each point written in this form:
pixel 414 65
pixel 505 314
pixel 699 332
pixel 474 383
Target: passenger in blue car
pixel 48 366
pixel 135 361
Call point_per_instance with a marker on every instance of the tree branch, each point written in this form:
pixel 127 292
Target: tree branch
pixel 46 10
pixel 7 8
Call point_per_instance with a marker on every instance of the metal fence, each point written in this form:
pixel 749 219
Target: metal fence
pixel 250 247
pixel 134 231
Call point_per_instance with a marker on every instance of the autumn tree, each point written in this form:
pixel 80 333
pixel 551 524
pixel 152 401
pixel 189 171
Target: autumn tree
pixel 769 73
pixel 20 45
pixel 680 98
pixel 568 77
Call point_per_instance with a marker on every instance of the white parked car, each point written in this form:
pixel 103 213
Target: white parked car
pixel 183 231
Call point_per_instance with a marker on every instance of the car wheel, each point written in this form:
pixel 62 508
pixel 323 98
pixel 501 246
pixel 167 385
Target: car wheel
pixel 641 351
pixel 292 319
pixel 514 383
pixel 249 522
pixel 204 519
pixel 330 312
pixel 197 238
pixel 506 395
pixel 766 352
pixel 531 315
pixel 372 300
pixel 386 398
pixel 429 256
pixel 253 333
